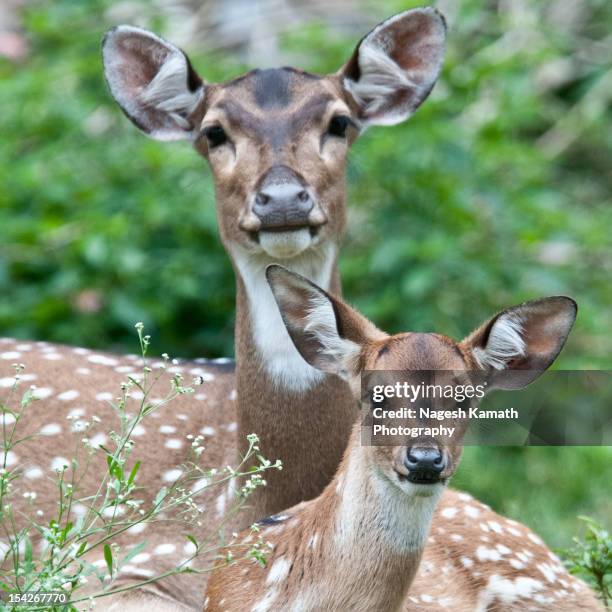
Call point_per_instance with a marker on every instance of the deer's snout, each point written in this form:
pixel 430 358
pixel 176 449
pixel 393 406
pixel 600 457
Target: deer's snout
pixel 283 206
pixel 283 202
pixel 424 464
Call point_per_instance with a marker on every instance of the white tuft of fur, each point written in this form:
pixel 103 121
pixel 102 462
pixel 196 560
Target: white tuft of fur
pixel 321 323
pixel 504 344
pixel 380 78
pixel 168 91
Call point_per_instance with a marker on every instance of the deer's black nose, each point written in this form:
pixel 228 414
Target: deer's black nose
pixel 424 464
pixel 282 202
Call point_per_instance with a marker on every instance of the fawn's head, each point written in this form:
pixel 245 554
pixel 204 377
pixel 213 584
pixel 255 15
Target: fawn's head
pixel 277 139
pixel 508 351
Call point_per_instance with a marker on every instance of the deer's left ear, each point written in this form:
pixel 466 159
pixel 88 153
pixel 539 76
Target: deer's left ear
pixel 396 65
pixel 327 333
pixel 519 343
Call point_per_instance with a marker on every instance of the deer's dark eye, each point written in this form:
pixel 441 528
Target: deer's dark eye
pixel 338 125
pixel 215 135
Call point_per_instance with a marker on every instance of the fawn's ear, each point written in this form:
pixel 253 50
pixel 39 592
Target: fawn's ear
pixel 327 333
pixel 519 343
pixel 396 65
pixel 153 82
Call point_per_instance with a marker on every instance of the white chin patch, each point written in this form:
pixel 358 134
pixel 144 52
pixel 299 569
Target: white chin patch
pixel 284 245
pixel 420 490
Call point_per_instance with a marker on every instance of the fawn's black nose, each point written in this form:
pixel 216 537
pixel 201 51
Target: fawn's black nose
pixel 425 464
pixel 282 202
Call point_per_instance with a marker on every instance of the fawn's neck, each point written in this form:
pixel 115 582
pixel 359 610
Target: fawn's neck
pixel 361 540
pixel 301 415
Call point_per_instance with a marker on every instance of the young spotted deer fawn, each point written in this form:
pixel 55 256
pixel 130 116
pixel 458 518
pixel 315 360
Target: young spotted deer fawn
pixel 359 545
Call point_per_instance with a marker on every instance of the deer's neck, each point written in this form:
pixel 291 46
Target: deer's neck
pixel 361 540
pixel 302 416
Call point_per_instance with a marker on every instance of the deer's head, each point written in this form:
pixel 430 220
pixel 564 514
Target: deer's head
pixel 509 351
pixel 277 139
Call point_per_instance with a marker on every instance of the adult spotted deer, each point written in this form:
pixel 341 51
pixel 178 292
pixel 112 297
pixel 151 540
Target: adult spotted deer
pixel 276 141
pixel 361 544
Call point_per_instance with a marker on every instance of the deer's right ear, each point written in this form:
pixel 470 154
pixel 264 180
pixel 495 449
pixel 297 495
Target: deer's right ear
pixel 396 65
pixel 327 333
pixel 153 82
pixel 518 344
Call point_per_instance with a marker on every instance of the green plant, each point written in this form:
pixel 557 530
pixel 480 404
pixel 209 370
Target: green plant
pixel 591 558
pixel 62 565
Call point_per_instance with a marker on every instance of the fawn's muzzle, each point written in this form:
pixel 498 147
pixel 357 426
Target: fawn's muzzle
pixel 424 464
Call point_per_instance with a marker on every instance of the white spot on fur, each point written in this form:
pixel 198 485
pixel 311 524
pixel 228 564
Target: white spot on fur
pixel 33 473
pixel 42 393
pixel 172 475
pixel 487 554
pixel 220 504
pixel 173 443
pixel 6 419
pixel 506 591
pixel 167 429
pixel 535 539
pixel 10 355
pixel 138 431
pixel 104 396
pixel 68 396
pixel 164 549
pixel 51 429
pixel 141 558
pixel 9 458
pixel 57 463
pixel 449 513
pixel 102 360
pixel 98 440
pixel 471 511
pixel 278 571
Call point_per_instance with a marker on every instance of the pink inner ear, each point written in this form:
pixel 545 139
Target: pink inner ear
pixel 141 60
pixel 414 45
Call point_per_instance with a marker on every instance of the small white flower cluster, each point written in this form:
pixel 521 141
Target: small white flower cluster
pixel 196 444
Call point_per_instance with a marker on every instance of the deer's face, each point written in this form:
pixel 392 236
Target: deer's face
pixel 417 464
pixel 509 351
pixel 277 139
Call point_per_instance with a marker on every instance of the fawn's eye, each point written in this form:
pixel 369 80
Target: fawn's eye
pixel 338 125
pixel 215 135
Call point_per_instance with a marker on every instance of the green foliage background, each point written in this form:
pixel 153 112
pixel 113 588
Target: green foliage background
pixel 498 190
